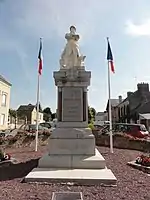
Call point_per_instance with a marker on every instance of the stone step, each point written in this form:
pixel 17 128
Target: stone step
pixel 78 176
pixel 73 161
pixel 79 141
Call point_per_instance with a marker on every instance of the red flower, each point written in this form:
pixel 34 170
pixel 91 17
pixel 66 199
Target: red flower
pixel 7 157
pixel 143 160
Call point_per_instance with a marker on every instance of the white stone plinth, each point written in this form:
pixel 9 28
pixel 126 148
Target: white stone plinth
pixel 71 141
pixel 79 176
pixel 72 157
pixel 72 124
pixel 73 161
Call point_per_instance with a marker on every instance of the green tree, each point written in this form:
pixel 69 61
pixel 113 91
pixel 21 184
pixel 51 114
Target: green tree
pixel 53 116
pixel 93 112
pixel 90 115
pixel 13 113
pixel 47 114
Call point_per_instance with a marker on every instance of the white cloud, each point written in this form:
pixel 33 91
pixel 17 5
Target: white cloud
pixel 142 29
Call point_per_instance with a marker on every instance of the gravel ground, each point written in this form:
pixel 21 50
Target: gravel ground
pixel 131 185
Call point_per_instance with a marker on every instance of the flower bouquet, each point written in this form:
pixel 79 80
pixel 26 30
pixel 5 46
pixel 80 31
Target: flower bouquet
pixel 143 160
pixel 4 156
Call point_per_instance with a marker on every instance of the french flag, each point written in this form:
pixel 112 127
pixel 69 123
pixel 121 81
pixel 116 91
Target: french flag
pixel 110 57
pixel 40 58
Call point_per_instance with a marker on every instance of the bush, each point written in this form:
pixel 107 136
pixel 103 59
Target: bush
pixel 1 154
pixel 2 141
pixel 91 126
pixel 11 142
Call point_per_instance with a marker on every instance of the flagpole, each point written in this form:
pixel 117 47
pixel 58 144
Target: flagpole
pixel 109 109
pixel 37 113
pixel 109 112
pixel 38 95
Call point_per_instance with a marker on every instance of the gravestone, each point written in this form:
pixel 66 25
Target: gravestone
pixel 72 155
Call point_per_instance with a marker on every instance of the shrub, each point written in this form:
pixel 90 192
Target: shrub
pixel 12 140
pixel 1 141
pixel 91 126
pixel 1 154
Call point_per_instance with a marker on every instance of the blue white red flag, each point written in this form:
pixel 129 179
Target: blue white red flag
pixel 40 59
pixel 110 57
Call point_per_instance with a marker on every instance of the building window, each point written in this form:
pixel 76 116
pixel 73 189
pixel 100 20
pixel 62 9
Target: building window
pixel 2 119
pixel 121 111
pixel 124 110
pixel 4 97
pixel 118 112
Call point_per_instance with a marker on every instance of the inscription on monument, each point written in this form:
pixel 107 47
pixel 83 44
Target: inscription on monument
pixel 72 105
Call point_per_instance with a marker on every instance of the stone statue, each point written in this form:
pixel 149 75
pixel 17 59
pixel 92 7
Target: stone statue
pixel 71 56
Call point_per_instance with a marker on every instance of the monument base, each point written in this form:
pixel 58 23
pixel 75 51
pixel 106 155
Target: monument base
pixel 72 157
pixel 72 125
pixel 77 176
pixel 71 141
pixel 73 161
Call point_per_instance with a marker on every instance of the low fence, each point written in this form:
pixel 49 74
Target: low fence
pixel 122 141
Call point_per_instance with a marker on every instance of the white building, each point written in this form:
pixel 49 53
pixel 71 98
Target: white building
pixel 100 118
pixel 28 113
pixel 5 88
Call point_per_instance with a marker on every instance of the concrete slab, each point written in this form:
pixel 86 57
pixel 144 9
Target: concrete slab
pixel 138 166
pixel 79 176
pixel 7 163
pixel 67 195
pixel 96 161
pixel 85 146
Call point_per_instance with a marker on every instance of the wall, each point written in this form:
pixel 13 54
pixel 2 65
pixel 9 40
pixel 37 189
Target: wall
pixel 114 114
pixel 122 112
pixel 4 109
pixel 122 142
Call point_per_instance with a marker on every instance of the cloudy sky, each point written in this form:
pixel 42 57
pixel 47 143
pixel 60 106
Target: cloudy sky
pixel 23 22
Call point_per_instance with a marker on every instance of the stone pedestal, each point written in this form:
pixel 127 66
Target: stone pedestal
pixel 72 97
pixel 72 155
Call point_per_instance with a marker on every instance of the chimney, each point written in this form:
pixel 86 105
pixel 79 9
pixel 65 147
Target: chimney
pixel 143 87
pixel 129 93
pixel 120 99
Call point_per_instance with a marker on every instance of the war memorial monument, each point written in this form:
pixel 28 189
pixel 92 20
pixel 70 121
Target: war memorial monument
pixel 72 155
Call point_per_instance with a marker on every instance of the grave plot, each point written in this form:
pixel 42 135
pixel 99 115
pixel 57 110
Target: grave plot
pixel 142 163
